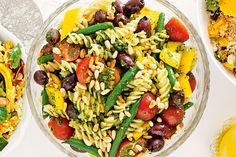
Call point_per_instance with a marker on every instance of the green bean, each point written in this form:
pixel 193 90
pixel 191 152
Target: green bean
pixel 16 56
pixel 45 101
pixel 3 143
pixel 188 105
pixel 45 59
pixel 82 146
pixel 160 22
pixel 123 128
pixel 94 28
pixel 3 114
pixel 128 76
pixel 171 75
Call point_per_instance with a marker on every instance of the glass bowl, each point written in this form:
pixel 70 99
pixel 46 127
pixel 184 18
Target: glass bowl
pixel 201 72
pixel 203 22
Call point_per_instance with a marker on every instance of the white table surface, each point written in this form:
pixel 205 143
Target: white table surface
pixel 221 106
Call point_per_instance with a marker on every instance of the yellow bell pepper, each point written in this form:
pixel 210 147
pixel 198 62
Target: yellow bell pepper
pixel 185 85
pixel 8 45
pixel 224 42
pixel 152 15
pixel 71 18
pixel 213 29
pixel 171 58
pixel 55 98
pixel 229 66
pixel 56 80
pixel 188 60
pixel 228 7
pixel 144 128
pixel 172 46
pixel 10 91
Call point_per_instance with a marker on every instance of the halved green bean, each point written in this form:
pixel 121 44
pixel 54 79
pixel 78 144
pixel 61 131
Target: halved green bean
pixel 3 143
pixel 128 76
pixel 45 59
pixel 94 28
pixel 188 105
pixel 160 22
pixel 123 128
pixel 171 75
pixel 82 146
pixel 45 101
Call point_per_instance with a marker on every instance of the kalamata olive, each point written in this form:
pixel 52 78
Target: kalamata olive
pixel 77 150
pixel 119 6
pixel 100 16
pixel 41 77
pixel 53 36
pixel 120 18
pixel 216 14
pixel 69 82
pixel 70 110
pixel 177 98
pixel 133 6
pixel 47 49
pixel 155 144
pixel 144 25
pixel 125 61
pixel 192 81
pixel 161 129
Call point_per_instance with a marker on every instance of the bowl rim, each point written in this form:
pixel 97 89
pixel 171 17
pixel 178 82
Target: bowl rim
pixel 19 133
pixel 202 52
pixel 206 40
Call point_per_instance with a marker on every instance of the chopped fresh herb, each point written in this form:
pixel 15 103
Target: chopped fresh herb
pixel 212 5
pixel 3 114
pixel 119 46
pixel 16 56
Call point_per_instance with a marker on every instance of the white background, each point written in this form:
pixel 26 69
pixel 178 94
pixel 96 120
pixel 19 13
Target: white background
pixel 221 106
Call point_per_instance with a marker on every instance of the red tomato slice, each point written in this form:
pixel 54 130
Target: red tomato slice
pixel 144 111
pixel 192 81
pixel 172 116
pixel 177 30
pixel 57 57
pixel 124 149
pixel 81 71
pixel 60 128
pixel 69 52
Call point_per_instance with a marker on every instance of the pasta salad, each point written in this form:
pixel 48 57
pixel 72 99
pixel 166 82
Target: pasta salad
pixel 11 89
pixel 116 78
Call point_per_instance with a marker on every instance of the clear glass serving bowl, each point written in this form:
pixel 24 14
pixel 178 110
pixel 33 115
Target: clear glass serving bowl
pixel 201 72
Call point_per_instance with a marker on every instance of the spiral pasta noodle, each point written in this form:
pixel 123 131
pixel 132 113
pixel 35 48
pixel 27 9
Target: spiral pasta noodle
pixel 74 38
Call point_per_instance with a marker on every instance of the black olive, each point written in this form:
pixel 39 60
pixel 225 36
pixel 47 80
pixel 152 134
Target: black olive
pixel 144 25
pixel 100 16
pixel 70 110
pixel 120 18
pixel 41 77
pixel 119 6
pixel 133 6
pixel 155 144
pixel 177 99
pixel 125 61
pixel 69 82
pixel 53 36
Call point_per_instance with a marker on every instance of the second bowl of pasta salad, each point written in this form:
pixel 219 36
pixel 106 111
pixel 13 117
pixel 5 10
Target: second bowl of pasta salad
pixel 117 78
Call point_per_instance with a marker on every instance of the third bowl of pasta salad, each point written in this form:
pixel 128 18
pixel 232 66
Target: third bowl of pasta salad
pixel 117 78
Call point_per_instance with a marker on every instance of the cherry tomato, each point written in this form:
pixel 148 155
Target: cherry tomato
pixel 177 30
pixel 60 128
pixel 172 116
pixel 69 52
pixel 117 76
pixel 192 81
pixel 124 149
pixel 81 70
pixel 144 111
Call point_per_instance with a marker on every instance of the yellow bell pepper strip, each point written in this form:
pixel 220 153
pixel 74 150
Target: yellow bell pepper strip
pixel 185 85
pixel 55 98
pixel 71 18
pixel 139 133
pixel 224 42
pixel 229 66
pixel 188 60
pixel 171 58
pixel 228 7
pixel 173 46
pixel 56 80
pixel 10 91
pixel 213 29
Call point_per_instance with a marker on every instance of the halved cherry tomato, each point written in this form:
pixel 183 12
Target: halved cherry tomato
pixel 124 149
pixel 117 76
pixel 144 111
pixel 60 128
pixel 81 71
pixel 192 81
pixel 172 116
pixel 177 30
pixel 69 52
